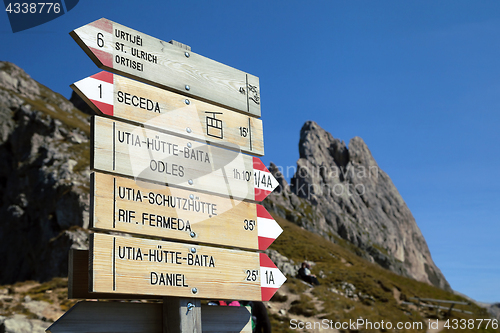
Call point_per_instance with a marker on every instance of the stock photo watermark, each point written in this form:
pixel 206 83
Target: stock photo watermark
pixel 309 180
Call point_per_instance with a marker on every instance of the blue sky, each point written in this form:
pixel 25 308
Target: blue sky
pixel 419 81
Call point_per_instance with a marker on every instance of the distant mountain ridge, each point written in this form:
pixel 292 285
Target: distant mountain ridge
pixel 341 193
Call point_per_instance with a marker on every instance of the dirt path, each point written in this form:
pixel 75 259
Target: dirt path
pixel 314 323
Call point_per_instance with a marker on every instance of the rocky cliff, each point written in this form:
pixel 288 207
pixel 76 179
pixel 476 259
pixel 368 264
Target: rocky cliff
pixel 44 178
pixel 341 193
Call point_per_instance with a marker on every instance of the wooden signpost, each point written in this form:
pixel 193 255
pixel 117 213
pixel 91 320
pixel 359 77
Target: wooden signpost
pixel 152 155
pixel 126 99
pixel 124 205
pixel 128 52
pixel 151 267
pixel 167 164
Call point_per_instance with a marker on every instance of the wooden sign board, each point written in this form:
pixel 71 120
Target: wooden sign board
pixel 148 267
pixel 125 51
pixel 126 99
pixel 78 280
pixel 112 317
pixel 137 207
pixel 148 154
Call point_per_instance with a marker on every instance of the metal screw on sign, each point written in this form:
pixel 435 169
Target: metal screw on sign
pixel 193 250
pixel 192 234
pixel 186 54
pixel 189 145
pixel 191 196
pixel 190 306
pixel 188 129
pixel 190 182
pixel 187 101
pixel 194 290
pixel 188 87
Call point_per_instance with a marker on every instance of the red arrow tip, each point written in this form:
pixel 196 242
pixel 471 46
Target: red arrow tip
pixel 267 293
pixel 104 57
pixel 264 242
pixel 265 261
pixel 103 107
pixel 103 76
pixel 258 165
pixel 262 212
pixel 103 24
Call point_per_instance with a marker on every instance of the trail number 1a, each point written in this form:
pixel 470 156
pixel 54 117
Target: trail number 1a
pixel 269 277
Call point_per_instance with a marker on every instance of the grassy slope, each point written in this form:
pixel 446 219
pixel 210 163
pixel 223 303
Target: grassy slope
pixel 338 265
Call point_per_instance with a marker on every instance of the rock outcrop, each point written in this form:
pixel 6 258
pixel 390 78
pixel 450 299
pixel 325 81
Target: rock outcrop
pixel 44 178
pixel 341 193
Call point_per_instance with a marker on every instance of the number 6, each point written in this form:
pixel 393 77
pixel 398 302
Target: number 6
pixel 100 41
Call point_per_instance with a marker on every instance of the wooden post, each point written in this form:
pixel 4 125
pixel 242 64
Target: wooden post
pixel 181 315
pixel 112 269
pixel 451 308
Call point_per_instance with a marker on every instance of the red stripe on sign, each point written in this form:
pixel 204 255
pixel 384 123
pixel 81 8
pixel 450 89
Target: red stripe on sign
pixel 258 165
pixel 265 261
pixel 103 107
pixel 104 57
pixel 103 76
pixel 261 194
pixel 103 24
pixel 262 212
pixel 267 293
pixel 264 242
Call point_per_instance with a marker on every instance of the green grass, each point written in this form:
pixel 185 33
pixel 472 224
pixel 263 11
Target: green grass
pixel 81 152
pixel 378 285
pixel 73 119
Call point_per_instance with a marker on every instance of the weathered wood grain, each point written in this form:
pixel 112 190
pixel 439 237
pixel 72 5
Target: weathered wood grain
pixel 78 280
pixel 126 99
pixel 148 154
pixel 148 267
pixel 182 315
pixel 125 51
pixel 121 204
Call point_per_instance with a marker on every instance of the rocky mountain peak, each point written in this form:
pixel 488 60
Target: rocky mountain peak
pixel 341 193
pixel 15 79
pixel 44 172
pixel 313 139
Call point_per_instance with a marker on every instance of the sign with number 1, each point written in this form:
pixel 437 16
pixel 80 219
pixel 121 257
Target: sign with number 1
pixel 125 99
